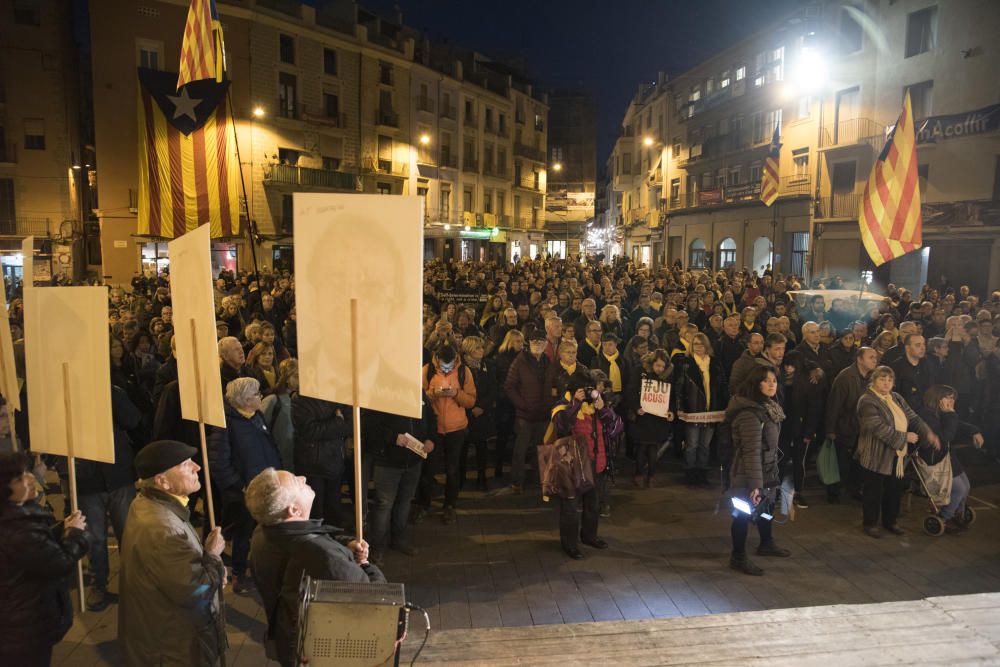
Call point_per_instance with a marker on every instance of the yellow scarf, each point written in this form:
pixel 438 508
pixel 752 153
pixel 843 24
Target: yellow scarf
pixel 569 369
pixel 270 376
pixel 900 424
pixel 614 373
pixel 248 415
pixel 183 500
pixel 595 348
pixel 703 364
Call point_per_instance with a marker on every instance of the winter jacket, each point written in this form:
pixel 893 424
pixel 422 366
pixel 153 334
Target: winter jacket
pixel 647 428
pixel 239 452
pixel 450 410
pixel 168 423
pixel 841 358
pixel 382 429
pixel 598 430
pixel 96 477
pixel 277 409
pixel 502 363
pixel 691 389
pixel 878 440
pixel 842 402
pixel 755 431
pixel 558 379
pixel 170 611
pixel 741 370
pixel 949 429
pixel 280 555
pixel 912 381
pixel 526 388
pixel 320 436
pixel 165 374
pixel 36 562
pixel 728 351
pixel 484 379
pixel 803 405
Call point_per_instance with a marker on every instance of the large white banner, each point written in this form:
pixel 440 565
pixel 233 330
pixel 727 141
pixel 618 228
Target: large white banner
pixel 69 325
pixel 8 370
pixel 192 298
pixel 368 247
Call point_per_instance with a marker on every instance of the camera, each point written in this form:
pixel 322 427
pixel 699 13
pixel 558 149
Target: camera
pixel 590 394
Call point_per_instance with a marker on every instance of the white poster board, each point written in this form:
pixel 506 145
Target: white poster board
pixel 193 299
pixel 69 325
pixel 368 247
pixel 8 370
pixel 654 397
pixel 28 262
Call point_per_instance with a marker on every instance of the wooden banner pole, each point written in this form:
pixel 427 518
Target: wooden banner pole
pixel 209 507
pixel 73 505
pixel 359 489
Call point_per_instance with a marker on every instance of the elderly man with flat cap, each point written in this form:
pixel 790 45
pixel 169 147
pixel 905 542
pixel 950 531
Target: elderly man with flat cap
pixel 171 609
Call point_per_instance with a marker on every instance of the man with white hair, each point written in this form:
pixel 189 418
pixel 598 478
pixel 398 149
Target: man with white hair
pixel 232 360
pixel 288 544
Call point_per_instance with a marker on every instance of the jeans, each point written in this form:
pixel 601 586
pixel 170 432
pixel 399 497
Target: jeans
pixel 98 508
pixel 740 528
pixel 449 446
pixel 527 435
pixel 394 489
pixel 697 439
pixel 883 493
pixel 574 526
pixel 959 492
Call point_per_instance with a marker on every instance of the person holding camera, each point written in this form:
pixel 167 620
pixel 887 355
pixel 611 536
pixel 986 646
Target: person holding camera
pixel 583 413
pixel 755 418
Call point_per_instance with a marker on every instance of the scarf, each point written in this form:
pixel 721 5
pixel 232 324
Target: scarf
pixel 569 369
pixel 595 348
pixel 899 423
pixel 703 365
pixel 586 410
pixel 774 411
pixel 614 372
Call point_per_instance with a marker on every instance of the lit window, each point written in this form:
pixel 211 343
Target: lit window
pixel 741 73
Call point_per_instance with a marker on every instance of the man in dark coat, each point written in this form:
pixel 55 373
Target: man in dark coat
pixel 288 544
pixel 913 371
pixel 526 387
pixel 842 418
pixel 321 429
pixel 232 360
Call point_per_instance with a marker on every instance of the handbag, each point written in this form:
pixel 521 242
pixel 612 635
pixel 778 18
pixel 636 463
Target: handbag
pixel 565 468
pixel 826 463
pixel 937 479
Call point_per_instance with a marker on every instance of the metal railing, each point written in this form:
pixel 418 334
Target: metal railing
pixel 789 186
pixel 449 111
pixel 287 7
pixel 530 152
pixel 321 117
pixel 839 206
pixel 853 131
pixel 425 104
pixel 386 117
pixel 373 165
pixel 24 226
pixel 470 165
pixel 284 174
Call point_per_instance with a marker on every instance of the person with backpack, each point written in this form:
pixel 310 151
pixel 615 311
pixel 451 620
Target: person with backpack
pixel 754 421
pixel 451 390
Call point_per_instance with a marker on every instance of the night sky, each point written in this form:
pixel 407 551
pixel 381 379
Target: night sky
pixel 608 47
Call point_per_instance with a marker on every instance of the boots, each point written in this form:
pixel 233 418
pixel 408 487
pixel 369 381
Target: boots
pixel 741 563
pixel 690 476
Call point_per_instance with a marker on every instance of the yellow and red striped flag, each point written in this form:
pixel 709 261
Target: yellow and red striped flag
pixel 889 218
pixel 187 158
pixel 769 177
pixel 202 52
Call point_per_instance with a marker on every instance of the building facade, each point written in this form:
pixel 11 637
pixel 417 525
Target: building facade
pixel 327 97
pixel 832 77
pixel 572 185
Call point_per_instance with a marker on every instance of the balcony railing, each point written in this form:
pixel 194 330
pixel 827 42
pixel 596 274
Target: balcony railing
pixel 284 174
pixel 448 160
pixel 470 165
pixel 495 170
pixel 470 120
pixel 24 226
pixel 321 117
pixel 373 165
pixel 387 117
pixel 530 152
pixel 539 125
pixel 789 186
pixel 449 111
pixel 839 206
pixel 852 132
pixel 425 104
pixel 8 153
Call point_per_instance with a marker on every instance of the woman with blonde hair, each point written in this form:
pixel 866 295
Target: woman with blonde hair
pixel 512 345
pixel 611 320
pixel 701 386
pixel 260 365
pixel 883 342
pixel 481 415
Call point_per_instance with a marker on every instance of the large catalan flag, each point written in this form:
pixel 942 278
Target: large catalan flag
pixel 769 177
pixel 202 50
pixel 890 219
pixel 187 159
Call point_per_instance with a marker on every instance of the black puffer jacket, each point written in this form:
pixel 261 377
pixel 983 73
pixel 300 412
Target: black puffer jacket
pixel 755 428
pixel 649 428
pixel 320 436
pixel 35 563
pixel 690 387
pixel 484 426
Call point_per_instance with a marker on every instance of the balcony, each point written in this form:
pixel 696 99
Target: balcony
pixel 799 185
pixel 470 120
pixel 853 132
pixel 539 125
pixel 839 206
pixel 448 160
pixel 425 104
pixel 284 174
pixel 387 167
pixel 8 153
pixel 321 117
pixel 448 111
pixel 24 226
pixel 495 170
pixel 470 165
pixel 387 118
pixel 530 152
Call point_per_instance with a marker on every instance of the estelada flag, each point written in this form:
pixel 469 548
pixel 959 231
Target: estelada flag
pixel 890 220
pixel 202 50
pixel 187 157
pixel 769 177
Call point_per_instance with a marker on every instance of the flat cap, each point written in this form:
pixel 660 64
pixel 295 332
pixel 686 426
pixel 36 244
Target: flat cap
pixel 160 456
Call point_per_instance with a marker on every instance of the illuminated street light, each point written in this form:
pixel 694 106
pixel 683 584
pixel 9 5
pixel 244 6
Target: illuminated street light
pixel 447 227
pixel 425 139
pixel 809 74
pixel 647 141
pixel 258 112
pixel 557 166
pixel 467 228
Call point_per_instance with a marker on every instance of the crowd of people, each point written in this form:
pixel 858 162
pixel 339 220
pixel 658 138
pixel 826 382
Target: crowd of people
pixel 537 354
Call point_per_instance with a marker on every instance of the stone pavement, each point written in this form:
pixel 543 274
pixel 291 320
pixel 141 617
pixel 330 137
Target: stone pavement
pixel 500 565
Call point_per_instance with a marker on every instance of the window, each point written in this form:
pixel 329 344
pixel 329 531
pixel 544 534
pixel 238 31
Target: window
pixel 149 53
pixel 675 189
pixel 557 154
pixel 384 153
pixel 848 106
pixel 755 172
pixel 677 148
pixel 724 80
pixel 800 162
pixel 445 201
pixel 467 196
pixel 288 156
pixel 34 134
pixel 720 178
pixel 695 94
pixel 922 172
pixel 287 84
pixel 7 215
pixel 727 254
pixel 758 81
pixel 331 105
pixel 385 73
pixel 502 123
pixel 800 248
pixel 27 13
pixel 920 31
pixel 920 98
pixel 487 202
pixel 764 124
pixel 383 188
pixel 697 255
pixel 850 33
pixel 805 104
pixel 501 161
pixel 330 62
pixel 627 164
pixel 331 163
pixel 706 180
pixel 735 175
pixel 777 54
pixel 286 49
pixel 501 203
pixel 741 72
pixel 556 249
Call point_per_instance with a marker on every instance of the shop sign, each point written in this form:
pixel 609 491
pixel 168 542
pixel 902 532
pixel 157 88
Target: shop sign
pixel 930 130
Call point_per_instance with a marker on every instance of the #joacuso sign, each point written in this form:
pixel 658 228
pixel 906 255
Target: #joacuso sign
pixel 654 397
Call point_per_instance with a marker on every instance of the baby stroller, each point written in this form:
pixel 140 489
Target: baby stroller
pixel 935 480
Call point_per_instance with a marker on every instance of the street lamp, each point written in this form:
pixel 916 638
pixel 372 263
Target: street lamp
pixel 425 139
pixel 647 141
pixel 447 227
pixel 557 166
pixel 258 112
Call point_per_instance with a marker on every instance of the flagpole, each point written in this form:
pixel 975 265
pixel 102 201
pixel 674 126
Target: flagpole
pixel 243 184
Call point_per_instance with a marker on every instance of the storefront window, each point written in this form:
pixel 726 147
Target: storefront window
pixel 283 258
pixel 223 257
pixel 515 250
pixel 556 249
pixel 155 258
